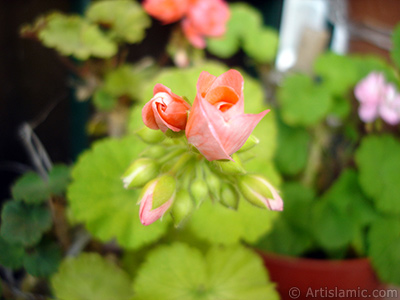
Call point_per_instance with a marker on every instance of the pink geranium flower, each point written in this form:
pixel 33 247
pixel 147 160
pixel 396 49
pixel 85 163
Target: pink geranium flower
pixel 201 18
pixel 217 125
pixel 377 98
pixel 165 110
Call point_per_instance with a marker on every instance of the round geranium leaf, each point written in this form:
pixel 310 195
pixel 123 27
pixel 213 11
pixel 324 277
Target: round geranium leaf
pixel 302 101
pixel 73 35
pixel 97 196
pixel 24 224
pixel 180 272
pixel 384 241
pixel 89 276
pixel 11 255
pixel 378 157
pixel 30 188
pixel 125 19
pixel 59 178
pixel 42 261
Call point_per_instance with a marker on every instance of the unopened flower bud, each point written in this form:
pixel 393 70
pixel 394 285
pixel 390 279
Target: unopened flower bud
pixel 229 167
pixel 150 136
pixel 213 183
pixel 154 151
pixel 156 199
pixel 198 190
pixel 250 143
pixel 259 192
pixel 140 172
pixel 183 207
pixel 229 196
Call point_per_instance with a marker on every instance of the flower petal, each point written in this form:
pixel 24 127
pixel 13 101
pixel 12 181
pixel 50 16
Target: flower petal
pixel 148 116
pixel 231 78
pixel 194 37
pixel 204 83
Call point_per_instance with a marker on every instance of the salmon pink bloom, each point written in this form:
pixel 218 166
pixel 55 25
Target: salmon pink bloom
pixel 205 18
pixel 165 110
pixel 147 214
pixel 167 11
pixel 217 125
pixel 389 109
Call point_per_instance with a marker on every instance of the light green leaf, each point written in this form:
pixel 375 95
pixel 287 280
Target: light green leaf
pixel 73 35
pixel 97 196
pixel 24 224
pixel 180 272
pixel 293 147
pixel 395 52
pixel 42 261
pixel 89 276
pixel 103 100
pixel 125 19
pixel 123 81
pixel 11 255
pixel 384 241
pixel 227 226
pixel 245 29
pixel 302 101
pixel 30 188
pixel 338 72
pixel 378 158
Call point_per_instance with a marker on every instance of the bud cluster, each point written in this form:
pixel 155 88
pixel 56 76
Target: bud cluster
pixel 175 178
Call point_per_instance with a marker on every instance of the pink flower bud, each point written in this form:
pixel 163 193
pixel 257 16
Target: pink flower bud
pixel 165 110
pixel 217 125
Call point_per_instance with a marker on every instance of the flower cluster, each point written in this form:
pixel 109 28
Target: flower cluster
pixel 200 18
pixel 179 173
pixel 378 98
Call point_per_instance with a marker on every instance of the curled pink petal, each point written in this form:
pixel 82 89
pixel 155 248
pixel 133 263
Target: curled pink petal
pixel 217 125
pixel 148 215
pixel 165 110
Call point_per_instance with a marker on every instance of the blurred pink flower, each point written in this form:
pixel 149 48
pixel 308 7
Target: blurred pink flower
pixel 165 110
pixel 167 11
pixel 217 125
pixel 205 18
pixel 147 214
pixel 377 98
pixel 201 18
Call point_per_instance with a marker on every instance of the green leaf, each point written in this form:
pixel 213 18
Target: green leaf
pixel 123 81
pixel 11 255
pixel 103 100
pixel 302 101
pixel 97 196
pixel 384 241
pixel 338 72
pixel 261 45
pixel 180 272
pixel 59 178
pixel 24 224
pixel 73 35
pixel 245 29
pixel 378 158
pixel 125 19
pixel 395 52
pixel 89 276
pixel 43 260
pixel 30 188
pixel 292 153
pixel 227 226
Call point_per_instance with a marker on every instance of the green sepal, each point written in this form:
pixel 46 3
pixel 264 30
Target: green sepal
pixel 150 136
pixel 229 196
pixel 252 187
pixel 182 208
pixel 140 172
pixel 154 151
pixel 230 167
pixel 251 142
pixel 213 183
pixel 163 191
pixel 173 134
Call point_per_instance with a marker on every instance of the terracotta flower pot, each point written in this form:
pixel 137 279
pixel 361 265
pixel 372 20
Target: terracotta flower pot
pixel 301 278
